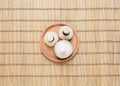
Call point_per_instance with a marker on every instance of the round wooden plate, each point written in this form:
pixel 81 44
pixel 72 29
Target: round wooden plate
pixel 49 51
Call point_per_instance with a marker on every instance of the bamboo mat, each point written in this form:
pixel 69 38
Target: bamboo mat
pixel 97 62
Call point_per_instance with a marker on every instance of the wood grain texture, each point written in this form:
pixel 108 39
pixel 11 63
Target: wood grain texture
pixel 97 62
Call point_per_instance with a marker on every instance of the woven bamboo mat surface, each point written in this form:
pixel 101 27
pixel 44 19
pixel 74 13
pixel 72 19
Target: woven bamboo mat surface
pixel 97 62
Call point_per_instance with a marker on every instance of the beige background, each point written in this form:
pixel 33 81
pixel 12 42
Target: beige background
pixel 97 62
